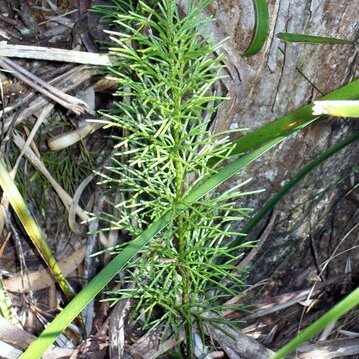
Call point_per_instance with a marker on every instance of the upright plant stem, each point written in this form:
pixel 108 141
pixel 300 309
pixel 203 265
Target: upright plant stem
pixel 185 284
pixel 182 252
pixel 177 78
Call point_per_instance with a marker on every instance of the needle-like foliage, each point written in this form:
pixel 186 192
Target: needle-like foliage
pixel 165 103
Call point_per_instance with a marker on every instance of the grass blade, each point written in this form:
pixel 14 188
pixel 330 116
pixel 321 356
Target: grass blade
pixel 74 308
pixel 32 228
pixel 337 108
pixel 343 307
pixel 6 308
pixel 310 39
pixel 226 172
pixel 261 28
pixel 291 122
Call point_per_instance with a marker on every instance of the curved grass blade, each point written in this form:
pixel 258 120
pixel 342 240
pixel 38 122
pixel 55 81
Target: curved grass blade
pixel 337 108
pixel 310 39
pixel 74 308
pixel 343 307
pixel 289 123
pixel 261 28
pixel 32 229
pixel 272 202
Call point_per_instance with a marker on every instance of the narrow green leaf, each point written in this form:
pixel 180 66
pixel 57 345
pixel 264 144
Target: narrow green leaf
pixel 291 122
pixel 261 29
pixel 6 308
pixel 74 308
pixel 32 228
pixel 336 108
pixel 272 202
pixel 310 39
pixel 343 307
pixel 226 172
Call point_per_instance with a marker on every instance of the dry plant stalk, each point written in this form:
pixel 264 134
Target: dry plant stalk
pixel 54 54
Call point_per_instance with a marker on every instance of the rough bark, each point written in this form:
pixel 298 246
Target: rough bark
pixel 282 78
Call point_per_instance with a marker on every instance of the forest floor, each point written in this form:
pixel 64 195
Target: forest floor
pixel 59 186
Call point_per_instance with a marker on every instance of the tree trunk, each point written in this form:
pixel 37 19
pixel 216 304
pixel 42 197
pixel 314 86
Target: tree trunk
pixel 315 216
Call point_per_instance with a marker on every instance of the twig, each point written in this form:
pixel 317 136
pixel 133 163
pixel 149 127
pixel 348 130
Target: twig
pixel 43 278
pixel 246 347
pixel 286 300
pixel 18 338
pixel 336 348
pixel 72 103
pixel 64 196
pixel 44 113
pixel 91 263
pixel 54 54
pixel 65 82
pixel 68 139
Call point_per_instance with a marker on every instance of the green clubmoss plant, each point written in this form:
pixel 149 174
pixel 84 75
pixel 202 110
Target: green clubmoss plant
pixel 165 103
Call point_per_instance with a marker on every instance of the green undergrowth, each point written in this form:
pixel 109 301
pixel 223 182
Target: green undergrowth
pixel 162 179
pixel 164 106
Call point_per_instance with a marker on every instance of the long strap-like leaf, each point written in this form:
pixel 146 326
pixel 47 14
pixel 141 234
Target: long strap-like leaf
pixel 261 29
pixel 312 39
pixel 74 308
pixel 32 229
pixel 337 108
pixel 291 122
pixel 347 304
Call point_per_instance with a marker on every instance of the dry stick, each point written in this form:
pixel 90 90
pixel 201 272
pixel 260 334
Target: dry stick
pixel 43 278
pixel 68 139
pixel 65 82
pixel 64 196
pixel 44 113
pixel 91 263
pixel 246 347
pixel 20 101
pixel 336 348
pixel 54 54
pixel 233 341
pixel 19 339
pixel 72 103
pixel 75 202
